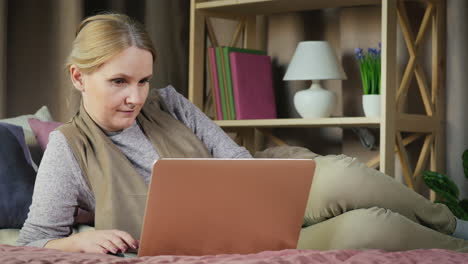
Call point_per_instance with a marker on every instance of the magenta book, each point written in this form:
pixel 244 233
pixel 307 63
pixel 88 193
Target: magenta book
pixel 252 85
pixel 214 75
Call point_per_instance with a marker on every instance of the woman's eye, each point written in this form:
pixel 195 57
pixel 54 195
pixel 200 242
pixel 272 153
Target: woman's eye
pixel 118 81
pixel 144 81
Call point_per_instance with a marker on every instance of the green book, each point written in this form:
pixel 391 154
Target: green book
pixel 222 93
pixel 228 75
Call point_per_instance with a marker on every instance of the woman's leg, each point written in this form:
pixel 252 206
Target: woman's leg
pixel 375 228
pixel 342 184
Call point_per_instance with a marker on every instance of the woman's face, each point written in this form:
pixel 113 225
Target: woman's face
pixel 114 94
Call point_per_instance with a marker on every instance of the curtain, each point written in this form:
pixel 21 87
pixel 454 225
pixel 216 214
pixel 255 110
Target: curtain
pixel 457 92
pixel 168 22
pixel 36 38
pixel 3 15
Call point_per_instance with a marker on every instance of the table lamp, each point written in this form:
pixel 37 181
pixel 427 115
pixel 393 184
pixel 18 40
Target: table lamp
pixel 314 60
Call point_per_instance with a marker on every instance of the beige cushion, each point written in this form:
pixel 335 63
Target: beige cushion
pixel 8 236
pixel 42 114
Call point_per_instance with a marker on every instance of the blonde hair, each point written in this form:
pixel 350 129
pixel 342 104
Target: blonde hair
pixel 103 36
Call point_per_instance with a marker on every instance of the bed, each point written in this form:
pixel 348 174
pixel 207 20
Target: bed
pixel 14 254
pixel 10 253
pixel 22 145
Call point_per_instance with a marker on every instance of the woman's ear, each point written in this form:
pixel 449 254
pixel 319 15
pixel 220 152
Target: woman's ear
pixel 77 77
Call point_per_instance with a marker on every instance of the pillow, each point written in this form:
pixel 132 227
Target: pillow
pixel 17 131
pixel 42 129
pixel 9 236
pixel 17 178
pixel 42 114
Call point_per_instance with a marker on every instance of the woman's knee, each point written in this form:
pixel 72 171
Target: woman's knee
pixel 337 169
pixel 335 178
pixel 373 228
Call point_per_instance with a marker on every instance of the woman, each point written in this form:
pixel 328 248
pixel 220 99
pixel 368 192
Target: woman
pixel 100 162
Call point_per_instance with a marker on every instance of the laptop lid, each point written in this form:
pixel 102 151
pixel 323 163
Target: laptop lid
pixel 225 206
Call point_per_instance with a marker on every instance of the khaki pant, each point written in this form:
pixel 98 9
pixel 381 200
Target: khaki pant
pixel 351 206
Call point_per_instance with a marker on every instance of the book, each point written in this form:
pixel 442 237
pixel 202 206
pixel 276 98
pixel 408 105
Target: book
pixel 230 114
pixel 221 83
pixel 215 84
pixel 228 74
pixel 252 85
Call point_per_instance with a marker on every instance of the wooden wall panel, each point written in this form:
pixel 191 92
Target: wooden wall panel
pixel 285 31
pixel 359 28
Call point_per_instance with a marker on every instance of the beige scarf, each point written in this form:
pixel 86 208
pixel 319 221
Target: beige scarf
pixel 120 192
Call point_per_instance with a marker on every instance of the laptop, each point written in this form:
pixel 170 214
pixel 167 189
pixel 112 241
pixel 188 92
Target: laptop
pixel 225 206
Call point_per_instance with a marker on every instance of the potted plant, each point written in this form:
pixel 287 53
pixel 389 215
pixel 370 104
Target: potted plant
pixel 369 66
pixel 447 191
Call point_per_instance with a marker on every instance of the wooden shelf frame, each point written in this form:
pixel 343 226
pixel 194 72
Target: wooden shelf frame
pixel 227 8
pixel 302 122
pixel 432 95
pixel 392 122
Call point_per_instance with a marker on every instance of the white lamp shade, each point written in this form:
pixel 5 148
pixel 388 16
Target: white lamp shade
pixel 314 60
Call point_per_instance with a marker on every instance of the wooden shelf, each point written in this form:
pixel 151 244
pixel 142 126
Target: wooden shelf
pixel 394 123
pixel 258 7
pixel 302 122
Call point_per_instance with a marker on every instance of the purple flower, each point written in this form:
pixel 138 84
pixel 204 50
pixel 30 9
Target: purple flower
pixel 374 53
pixel 359 54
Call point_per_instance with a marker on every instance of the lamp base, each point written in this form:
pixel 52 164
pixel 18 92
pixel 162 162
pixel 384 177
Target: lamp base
pixel 315 102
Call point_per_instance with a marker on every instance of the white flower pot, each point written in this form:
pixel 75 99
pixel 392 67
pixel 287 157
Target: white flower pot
pixel 371 105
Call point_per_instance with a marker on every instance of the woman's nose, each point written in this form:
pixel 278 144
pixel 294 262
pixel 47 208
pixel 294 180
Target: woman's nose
pixel 136 96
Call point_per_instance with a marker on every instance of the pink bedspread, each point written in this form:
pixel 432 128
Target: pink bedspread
pixel 10 254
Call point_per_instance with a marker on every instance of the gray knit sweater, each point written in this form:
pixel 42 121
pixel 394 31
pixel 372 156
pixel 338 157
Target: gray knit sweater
pixel 60 186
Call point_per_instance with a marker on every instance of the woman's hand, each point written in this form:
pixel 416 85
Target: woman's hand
pixel 96 241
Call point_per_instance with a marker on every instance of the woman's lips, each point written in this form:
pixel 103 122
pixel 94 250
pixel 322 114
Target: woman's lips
pixel 129 112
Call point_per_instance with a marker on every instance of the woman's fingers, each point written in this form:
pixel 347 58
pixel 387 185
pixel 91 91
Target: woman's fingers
pixel 122 240
pixel 127 238
pixel 118 243
pixel 103 241
pixel 109 246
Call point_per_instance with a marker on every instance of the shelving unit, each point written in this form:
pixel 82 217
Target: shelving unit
pixel 393 121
